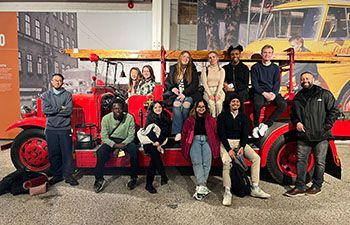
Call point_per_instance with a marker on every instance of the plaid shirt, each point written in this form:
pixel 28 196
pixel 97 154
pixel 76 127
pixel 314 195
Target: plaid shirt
pixel 146 87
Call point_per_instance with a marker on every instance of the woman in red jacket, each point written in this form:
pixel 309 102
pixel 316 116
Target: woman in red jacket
pixel 200 142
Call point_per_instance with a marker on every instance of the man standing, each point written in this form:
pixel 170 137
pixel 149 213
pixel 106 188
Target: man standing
pixel 236 75
pixel 57 106
pixel 266 84
pixel 118 133
pixel 313 112
pixel 233 134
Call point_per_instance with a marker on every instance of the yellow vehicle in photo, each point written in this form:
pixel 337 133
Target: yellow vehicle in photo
pixel 312 26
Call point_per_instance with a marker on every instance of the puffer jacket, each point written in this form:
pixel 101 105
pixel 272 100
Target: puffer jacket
pixel 317 113
pixel 188 135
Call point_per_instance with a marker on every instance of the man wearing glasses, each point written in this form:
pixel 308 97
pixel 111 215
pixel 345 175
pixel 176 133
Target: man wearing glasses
pixel 57 106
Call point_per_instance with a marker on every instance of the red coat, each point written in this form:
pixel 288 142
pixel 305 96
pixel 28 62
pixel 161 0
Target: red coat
pixel 187 136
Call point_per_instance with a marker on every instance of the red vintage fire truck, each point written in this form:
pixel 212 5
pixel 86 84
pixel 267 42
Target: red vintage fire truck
pixel 277 148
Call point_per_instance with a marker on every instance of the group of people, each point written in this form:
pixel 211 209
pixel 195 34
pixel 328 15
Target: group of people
pixel 208 125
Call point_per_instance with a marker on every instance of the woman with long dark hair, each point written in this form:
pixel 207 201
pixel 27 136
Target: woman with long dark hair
pixel 158 116
pixel 181 90
pixel 200 143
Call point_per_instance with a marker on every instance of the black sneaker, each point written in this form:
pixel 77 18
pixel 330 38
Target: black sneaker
pixel 164 180
pixel 71 180
pixel 295 192
pixel 151 189
pixel 99 185
pixel 55 180
pixel 132 183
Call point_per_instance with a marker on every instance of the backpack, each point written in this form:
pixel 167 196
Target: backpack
pixel 240 185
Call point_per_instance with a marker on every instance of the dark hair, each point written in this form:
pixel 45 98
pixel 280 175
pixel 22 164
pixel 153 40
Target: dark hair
pixel 306 72
pixel 153 78
pixel 58 74
pixel 163 117
pixel 228 100
pixel 118 101
pixel 194 111
pixel 231 48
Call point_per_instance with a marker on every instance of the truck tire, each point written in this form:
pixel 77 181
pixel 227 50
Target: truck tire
pixel 29 150
pixel 282 160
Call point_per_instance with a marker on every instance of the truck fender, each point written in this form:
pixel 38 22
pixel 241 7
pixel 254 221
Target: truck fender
pixel 28 122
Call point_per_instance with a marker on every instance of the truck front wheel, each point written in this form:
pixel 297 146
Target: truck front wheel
pixel 282 160
pixel 29 150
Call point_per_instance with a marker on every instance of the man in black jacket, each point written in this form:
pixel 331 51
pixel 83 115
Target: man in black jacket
pixel 313 112
pixel 236 75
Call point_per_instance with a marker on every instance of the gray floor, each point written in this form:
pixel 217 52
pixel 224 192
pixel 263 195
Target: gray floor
pixel 174 204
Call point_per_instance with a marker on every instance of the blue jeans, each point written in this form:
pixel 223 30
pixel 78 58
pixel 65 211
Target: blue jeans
pixel 180 114
pixel 60 147
pixel 320 153
pixel 200 154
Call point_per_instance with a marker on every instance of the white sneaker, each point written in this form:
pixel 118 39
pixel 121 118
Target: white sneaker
pixel 262 129
pixel 255 132
pixel 177 137
pixel 258 193
pixel 196 195
pixel 203 190
pixel 227 198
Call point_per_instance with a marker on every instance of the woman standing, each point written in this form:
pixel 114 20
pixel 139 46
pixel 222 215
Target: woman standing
pixel 200 142
pixel 181 90
pixel 213 79
pixel 148 82
pixel 134 79
pixel 156 115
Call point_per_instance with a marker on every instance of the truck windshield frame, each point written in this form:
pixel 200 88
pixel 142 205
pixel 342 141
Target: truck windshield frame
pixel 285 23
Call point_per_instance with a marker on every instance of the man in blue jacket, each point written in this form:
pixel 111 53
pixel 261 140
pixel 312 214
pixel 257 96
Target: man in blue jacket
pixel 57 106
pixel 314 111
pixel 266 83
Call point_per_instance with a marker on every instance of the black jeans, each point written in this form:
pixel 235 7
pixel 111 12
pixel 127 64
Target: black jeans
pixel 155 163
pixel 104 154
pixel 60 149
pixel 259 102
pixel 320 153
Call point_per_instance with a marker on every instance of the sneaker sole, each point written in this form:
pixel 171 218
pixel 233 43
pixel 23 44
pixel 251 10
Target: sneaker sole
pixel 297 195
pixel 313 194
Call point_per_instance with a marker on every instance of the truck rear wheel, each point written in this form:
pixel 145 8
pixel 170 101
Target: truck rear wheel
pixel 29 150
pixel 282 160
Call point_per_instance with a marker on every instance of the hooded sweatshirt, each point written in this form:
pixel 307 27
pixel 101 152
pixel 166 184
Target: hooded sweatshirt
pixel 57 108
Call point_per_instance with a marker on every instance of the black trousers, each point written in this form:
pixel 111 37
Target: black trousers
pixel 156 163
pixel 104 154
pixel 60 149
pixel 259 102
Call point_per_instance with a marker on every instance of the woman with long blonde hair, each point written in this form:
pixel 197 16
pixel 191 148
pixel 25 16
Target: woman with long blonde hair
pixel 181 90
pixel 213 78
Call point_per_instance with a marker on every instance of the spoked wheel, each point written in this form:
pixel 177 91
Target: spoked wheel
pixel 282 160
pixel 29 150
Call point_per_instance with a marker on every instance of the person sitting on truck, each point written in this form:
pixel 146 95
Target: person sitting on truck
pixel 135 77
pixel 148 81
pixel 181 90
pixel 57 106
pixel 156 116
pixel 200 143
pixel 118 133
pixel 236 75
pixel 233 134
pixel 313 112
pixel 213 78
pixel 266 85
